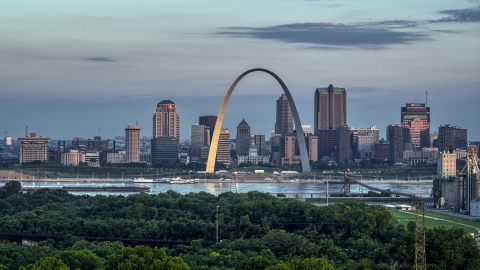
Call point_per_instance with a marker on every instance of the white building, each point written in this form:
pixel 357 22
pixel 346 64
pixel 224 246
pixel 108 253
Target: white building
pixel 447 165
pixel 253 156
pixel 116 157
pixel 72 158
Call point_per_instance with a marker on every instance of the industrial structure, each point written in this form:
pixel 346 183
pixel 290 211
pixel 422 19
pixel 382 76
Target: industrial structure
pixel 457 189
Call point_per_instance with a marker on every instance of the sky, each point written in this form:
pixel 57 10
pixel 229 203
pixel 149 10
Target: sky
pixel 84 68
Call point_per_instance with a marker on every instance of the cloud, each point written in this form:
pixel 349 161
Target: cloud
pixel 460 15
pixel 376 35
pixel 100 59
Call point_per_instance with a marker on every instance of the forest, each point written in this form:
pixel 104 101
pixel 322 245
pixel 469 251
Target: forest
pixel 255 231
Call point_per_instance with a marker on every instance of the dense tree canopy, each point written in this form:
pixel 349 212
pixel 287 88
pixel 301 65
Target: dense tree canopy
pixel 257 231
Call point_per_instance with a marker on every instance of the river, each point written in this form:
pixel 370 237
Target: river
pixel 306 189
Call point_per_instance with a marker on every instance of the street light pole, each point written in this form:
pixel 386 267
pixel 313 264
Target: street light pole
pixel 217 224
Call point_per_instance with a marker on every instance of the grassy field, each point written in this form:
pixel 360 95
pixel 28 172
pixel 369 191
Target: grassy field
pixel 446 221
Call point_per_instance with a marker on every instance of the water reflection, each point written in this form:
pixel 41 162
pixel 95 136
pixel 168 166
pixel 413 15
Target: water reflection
pixel 310 189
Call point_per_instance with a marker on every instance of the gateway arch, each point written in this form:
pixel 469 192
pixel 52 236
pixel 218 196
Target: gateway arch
pixel 212 156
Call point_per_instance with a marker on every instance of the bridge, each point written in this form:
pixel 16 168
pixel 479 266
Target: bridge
pixel 19 237
pixel 348 181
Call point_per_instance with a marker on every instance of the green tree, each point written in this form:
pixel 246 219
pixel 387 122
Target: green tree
pixel 12 188
pixel 47 263
pixel 142 257
pixel 80 259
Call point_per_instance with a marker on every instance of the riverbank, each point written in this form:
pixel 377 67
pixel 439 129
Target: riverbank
pixel 130 181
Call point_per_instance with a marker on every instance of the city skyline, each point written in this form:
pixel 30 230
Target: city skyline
pixel 80 70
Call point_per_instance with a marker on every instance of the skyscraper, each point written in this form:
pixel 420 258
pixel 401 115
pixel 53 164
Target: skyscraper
pixel 200 137
pixel 244 138
pixel 284 116
pixel 132 144
pixel 330 108
pixel 395 140
pixel 208 121
pixel 415 119
pixel 259 142
pixel 223 150
pixel 344 146
pixel 451 137
pixel 166 122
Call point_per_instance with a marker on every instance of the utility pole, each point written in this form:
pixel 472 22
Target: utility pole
pixel 217 225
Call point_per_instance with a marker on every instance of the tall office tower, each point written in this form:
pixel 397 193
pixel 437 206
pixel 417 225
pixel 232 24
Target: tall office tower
pixel 223 150
pixel 364 140
pixel 382 150
pixel 275 152
pixel 259 141
pixel 33 148
pixel 165 149
pixel 327 141
pixel 434 139
pixel 344 146
pixel 208 121
pixel 395 140
pixel 416 125
pixel 244 138
pixel 289 151
pixel 200 137
pixel 451 137
pixel 132 144
pixel 166 122
pixel 312 145
pixel 330 108
pixel 284 116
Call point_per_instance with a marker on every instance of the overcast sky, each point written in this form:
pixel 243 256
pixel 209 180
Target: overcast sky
pixel 84 68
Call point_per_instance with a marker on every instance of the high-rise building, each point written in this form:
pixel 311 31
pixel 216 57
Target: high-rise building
pixel 327 141
pixel 382 150
pixel 344 147
pixel 415 119
pixel 289 151
pixel 166 122
pixel 451 137
pixel 200 137
pixel 284 116
pixel 165 149
pixel 244 138
pixel 363 141
pixel 312 145
pixel 259 142
pixel 132 144
pixel 223 150
pixel 395 140
pixel 208 121
pixel 33 148
pixel 330 108
pixel 447 164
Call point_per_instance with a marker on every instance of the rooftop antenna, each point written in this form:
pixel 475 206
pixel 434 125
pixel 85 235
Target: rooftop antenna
pixel 136 123
pixel 426 98
pixel 5 134
pixel 26 131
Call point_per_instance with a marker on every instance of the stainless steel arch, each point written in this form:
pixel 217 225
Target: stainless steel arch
pixel 212 155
